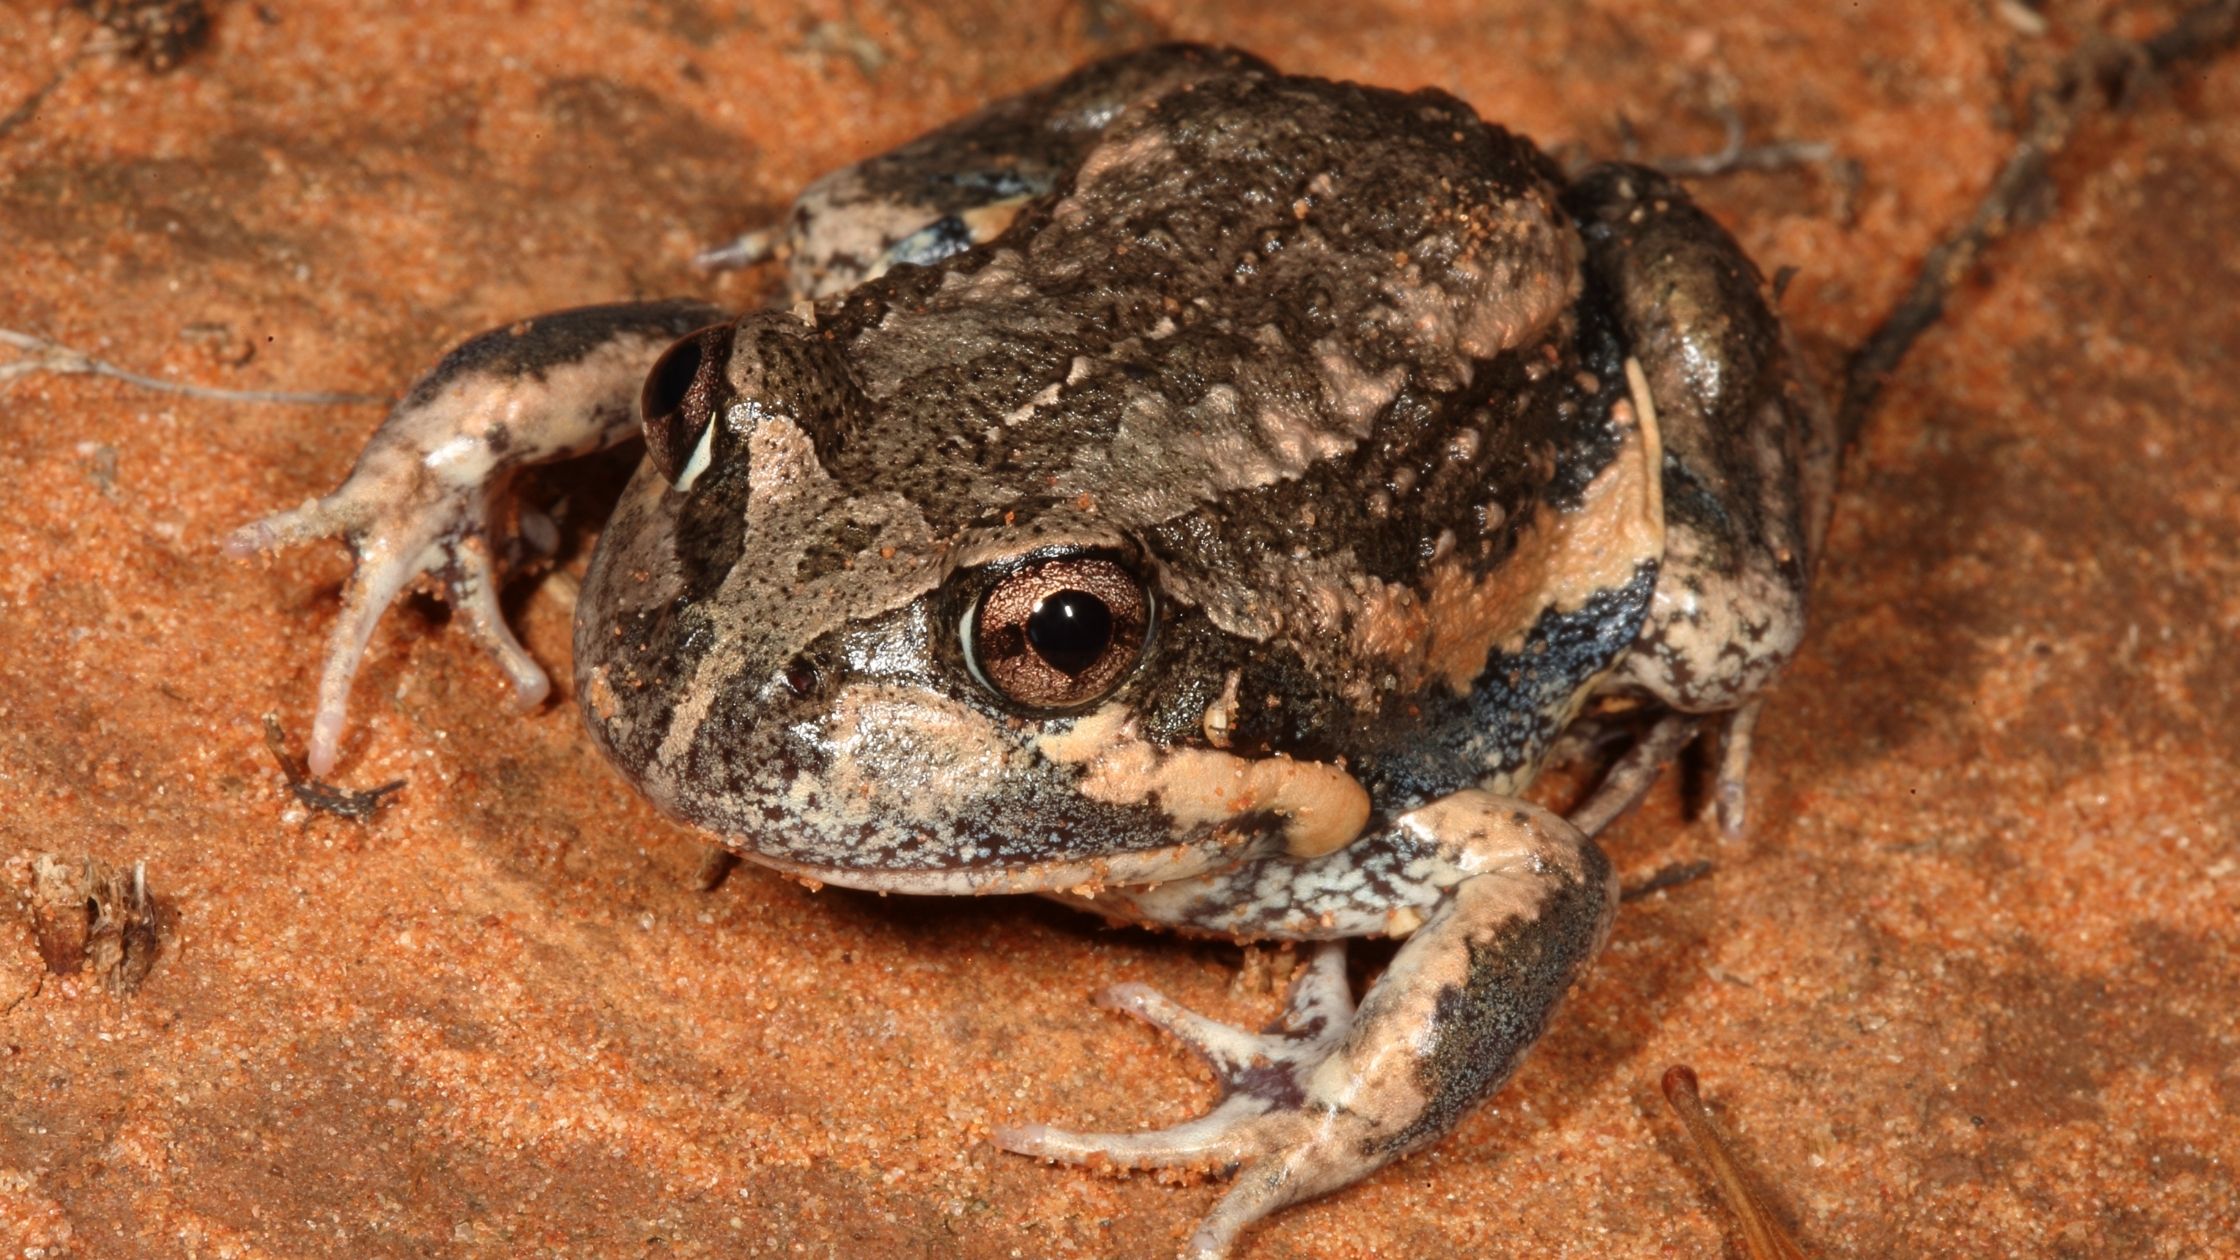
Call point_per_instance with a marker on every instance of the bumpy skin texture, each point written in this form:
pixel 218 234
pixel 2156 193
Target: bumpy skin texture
pixel 1750 451
pixel 1407 450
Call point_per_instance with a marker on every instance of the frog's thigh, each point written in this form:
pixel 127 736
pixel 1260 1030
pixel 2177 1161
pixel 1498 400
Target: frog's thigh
pixel 1747 442
pixel 1504 904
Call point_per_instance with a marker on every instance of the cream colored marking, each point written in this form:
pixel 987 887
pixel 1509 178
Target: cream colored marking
pixel 554 412
pixel 1048 396
pixel 1143 148
pixel 1077 877
pixel 1324 807
pixel 1221 715
pixel 701 454
pixel 906 757
pixel 1645 406
pixel 985 223
pixel 1446 631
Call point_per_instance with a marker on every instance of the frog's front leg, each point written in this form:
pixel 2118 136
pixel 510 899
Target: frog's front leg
pixel 1503 905
pixel 430 491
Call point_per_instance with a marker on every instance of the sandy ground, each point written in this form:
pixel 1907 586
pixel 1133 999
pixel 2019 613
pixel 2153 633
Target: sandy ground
pixel 1965 988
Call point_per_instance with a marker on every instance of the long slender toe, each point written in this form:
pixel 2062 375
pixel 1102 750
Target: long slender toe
pixel 1731 796
pixel 312 518
pixel 368 596
pixel 1258 1191
pixel 1224 1137
pixel 1320 993
pixel 1227 1050
pixel 472 587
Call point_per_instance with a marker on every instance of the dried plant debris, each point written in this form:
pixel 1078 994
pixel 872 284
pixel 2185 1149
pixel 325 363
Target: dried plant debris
pixel 159 34
pixel 43 355
pixel 1763 1237
pixel 1669 876
pixel 90 917
pixel 2105 75
pixel 323 797
pixel 716 866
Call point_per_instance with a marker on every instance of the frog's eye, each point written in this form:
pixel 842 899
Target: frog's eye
pixel 679 403
pixel 1058 633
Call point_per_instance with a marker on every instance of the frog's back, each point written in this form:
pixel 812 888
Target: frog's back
pixel 1314 346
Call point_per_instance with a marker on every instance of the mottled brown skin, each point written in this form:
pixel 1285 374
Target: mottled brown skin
pixel 1750 451
pixel 1410 450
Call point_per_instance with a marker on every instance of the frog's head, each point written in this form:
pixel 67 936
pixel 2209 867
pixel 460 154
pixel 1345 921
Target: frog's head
pixel 844 644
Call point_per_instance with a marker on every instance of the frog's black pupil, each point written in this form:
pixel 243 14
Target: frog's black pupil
pixel 1070 630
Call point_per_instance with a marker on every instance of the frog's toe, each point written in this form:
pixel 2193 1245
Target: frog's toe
pixel 1730 793
pixel 1321 992
pixel 313 518
pixel 743 250
pixel 1268 1064
pixel 1270 1120
pixel 1281 1154
pixel 1226 1049
pixel 1217 1141
pixel 471 586
pixel 383 570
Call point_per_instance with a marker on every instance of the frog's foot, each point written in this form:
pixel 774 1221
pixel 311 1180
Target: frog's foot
pixel 741 251
pixel 1502 904
pixel 1630 777
pixel 1271 1112
pixel 399 534
pixel 431 494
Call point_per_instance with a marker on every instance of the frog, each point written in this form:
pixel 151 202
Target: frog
pixel 1202 495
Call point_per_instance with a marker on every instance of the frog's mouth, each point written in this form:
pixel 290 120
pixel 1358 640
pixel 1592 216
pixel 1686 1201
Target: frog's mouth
pixel 895 790
pixel 1079 877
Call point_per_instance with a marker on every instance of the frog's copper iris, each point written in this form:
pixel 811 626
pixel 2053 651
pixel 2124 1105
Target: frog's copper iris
pixel 1060 633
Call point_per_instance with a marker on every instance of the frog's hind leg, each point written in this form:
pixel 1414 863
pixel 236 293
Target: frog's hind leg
pixel 1503 905
pixel 1748 448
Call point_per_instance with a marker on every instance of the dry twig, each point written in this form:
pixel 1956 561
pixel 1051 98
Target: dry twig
pixel 1670 876
pixel 324 797
pixel 2104 74
pixel 43 355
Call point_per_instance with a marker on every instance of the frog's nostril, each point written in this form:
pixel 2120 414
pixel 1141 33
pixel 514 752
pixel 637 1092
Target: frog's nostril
pixel 801 677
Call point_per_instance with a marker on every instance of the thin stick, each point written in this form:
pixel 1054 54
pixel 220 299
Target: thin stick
pixel 43 355
pixel 28 109
pixel 1762 1236
pixel 2104 74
